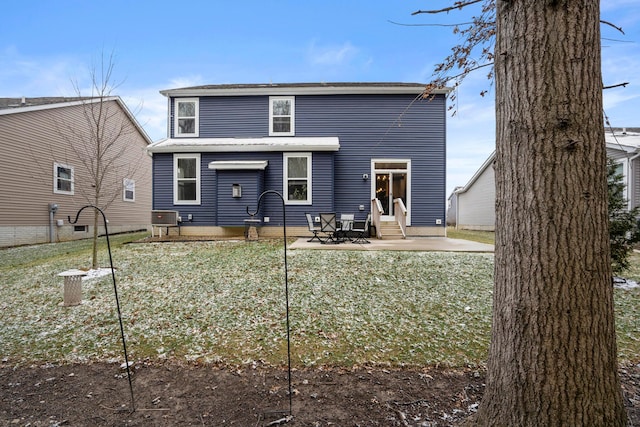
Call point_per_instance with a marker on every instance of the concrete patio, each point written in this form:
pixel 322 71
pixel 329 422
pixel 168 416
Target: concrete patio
pixel 436 244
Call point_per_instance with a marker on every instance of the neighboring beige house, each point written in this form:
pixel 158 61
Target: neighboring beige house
pixel 472 207
pixel 45 178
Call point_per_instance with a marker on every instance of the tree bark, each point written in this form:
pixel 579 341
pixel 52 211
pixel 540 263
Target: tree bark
pixel 553 358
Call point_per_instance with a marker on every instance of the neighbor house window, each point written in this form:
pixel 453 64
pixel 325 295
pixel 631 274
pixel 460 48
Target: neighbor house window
pixel 281 115
pixel 186 179
pixel 62 179
pixel 128 190
pixel 186 117
pixel 297 178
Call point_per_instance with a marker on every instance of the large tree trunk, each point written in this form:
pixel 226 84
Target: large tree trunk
pixel 552 359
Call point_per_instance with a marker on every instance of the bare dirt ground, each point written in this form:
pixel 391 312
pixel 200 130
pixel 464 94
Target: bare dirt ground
pixel 189 395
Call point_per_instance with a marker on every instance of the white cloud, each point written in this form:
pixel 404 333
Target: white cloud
pixel 23 76
pixel 185 81
pixel 331 55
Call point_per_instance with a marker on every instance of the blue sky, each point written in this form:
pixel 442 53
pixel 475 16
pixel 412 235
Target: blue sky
pixel 45 44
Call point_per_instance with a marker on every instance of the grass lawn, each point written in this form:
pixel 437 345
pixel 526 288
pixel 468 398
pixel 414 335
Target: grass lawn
pixel 488 237
pixel 224 302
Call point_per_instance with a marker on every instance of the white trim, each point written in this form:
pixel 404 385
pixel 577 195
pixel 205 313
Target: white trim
pixel 292 116
pixel 125 183
pixel 196 118
pixel 175 179
pixel 626 173
pixel 285 178
pixel 408 173
pixel 239 165
pixel 308 89
pixel 477 174
pixel 226 145
pixel 56 178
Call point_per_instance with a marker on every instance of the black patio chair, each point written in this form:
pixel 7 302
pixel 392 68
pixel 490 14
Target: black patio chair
pixel 346 225
pixel 361 232
pixel 312 228
pixel 329 227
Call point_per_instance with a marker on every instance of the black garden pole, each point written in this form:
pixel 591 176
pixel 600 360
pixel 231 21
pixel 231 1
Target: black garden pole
pixel 286 281
pixel 115 290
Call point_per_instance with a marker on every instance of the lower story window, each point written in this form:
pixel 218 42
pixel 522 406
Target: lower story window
pixel 62 179
pixel 297 178
pixel 128 190
pixel 186 179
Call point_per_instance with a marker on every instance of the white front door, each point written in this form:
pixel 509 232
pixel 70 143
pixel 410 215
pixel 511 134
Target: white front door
pixel 391 181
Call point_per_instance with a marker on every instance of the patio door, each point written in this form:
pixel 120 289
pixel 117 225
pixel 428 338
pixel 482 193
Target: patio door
pixel 391 182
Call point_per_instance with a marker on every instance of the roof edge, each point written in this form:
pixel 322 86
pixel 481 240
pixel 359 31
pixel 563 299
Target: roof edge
pixel 476 175
pixel 303 89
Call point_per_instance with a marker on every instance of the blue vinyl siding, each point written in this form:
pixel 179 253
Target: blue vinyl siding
pixel 368 126
pixel 233 211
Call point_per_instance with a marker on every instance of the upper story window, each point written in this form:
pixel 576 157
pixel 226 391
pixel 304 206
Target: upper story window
pixel 297 178
pixel 186 179
pixel 282 115
pixel 128 190
pixel 63 179
pixel 186 117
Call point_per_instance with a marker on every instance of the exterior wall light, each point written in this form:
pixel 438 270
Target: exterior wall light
pixel 236 191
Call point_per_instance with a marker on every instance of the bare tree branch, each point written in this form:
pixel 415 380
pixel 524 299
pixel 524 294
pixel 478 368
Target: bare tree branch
pixel 456 5
pixel 430 25
pixel 618 85
pixel 611 25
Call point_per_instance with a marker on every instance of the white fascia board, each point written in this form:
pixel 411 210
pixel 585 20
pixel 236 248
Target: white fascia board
pixel 226 145
pixel 311 90
pixel 476 175
pixel 621 147
pixel 239 165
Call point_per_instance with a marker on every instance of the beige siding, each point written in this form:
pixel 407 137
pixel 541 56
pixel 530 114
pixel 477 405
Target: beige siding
pixel 476 206
pixel 31 142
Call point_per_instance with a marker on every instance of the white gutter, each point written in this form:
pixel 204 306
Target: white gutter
pixel 226 145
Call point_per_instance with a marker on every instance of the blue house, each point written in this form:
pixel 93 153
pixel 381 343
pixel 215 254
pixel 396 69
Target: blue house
pixel 357 148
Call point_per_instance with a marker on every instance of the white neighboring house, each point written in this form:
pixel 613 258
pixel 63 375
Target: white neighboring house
pixel 42 168
pixel 472 207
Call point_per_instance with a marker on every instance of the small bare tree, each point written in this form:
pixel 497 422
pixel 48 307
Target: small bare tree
pixel 98 140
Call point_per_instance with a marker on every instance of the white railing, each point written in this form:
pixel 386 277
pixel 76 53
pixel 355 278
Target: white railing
pixel 400 211
pixel 376 212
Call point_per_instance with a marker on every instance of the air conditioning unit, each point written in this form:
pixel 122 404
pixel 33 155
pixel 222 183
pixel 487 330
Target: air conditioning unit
pixel 165 218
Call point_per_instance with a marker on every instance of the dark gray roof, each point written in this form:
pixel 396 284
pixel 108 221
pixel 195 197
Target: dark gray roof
pixel 321 88
pixel 304 85
pixel 30 102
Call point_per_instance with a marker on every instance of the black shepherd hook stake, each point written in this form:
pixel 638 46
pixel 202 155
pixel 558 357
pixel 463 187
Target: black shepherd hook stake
pixel 115 290
pixel 286 278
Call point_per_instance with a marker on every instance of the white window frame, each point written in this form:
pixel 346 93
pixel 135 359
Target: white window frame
pixel 285 178
pixel 292 116
pixel 624 164
pixel 176 118
pixel 56 178
pixel 128 184
pixel 176 201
